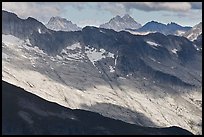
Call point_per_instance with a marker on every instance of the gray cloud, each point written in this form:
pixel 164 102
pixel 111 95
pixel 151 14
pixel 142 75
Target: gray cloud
pixel 113 7
pixel 55 8
pixel 37 9
pixel 122 7
pixel 156 6
pixel 32 9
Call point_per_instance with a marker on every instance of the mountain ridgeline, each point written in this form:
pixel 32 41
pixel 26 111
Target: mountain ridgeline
pixel 154 55
pixel 170 28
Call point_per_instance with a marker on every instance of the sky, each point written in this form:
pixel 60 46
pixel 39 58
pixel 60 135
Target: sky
pixel 97 13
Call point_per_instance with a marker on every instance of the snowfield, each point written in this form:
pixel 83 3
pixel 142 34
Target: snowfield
pixel 95 55
pixel 152 43
pixel 78 84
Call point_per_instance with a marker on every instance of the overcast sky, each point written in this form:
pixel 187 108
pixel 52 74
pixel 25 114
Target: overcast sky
pixel 96 13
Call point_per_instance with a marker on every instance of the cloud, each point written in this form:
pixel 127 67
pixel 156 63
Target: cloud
pixel 156 6
pixel 122 7
pixel 113 7
pixel 149 6
pixel 32 9
pixel 42 11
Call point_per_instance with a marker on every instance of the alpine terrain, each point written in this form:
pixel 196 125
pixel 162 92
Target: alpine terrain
pixel 152 81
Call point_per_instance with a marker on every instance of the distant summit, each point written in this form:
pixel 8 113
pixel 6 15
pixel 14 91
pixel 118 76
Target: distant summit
pixel 61 24
pixel 121 23
pixel 170 28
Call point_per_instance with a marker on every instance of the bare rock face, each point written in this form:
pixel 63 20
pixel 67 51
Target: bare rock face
pixel 61 24
pixel 121 23
pixel 193 33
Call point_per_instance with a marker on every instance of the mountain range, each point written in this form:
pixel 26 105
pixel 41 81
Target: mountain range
pixel 155 76
pixel 127 23
pixel 153 26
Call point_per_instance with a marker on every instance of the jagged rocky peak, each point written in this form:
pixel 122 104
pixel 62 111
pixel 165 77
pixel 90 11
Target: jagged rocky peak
pixel 117 18
pixel 128 18
pixel 193 33
pixel 61 24
pixel 119 23
pixel 58 18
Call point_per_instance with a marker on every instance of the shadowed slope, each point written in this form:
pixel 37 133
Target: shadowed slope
pixel 25 113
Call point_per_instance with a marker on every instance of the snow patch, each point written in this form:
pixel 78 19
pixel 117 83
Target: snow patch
pixel 112 69
pixel 116 59
pixel 69 54
pixel 152 43
pixel 39 31
pixel 101 31
pixel 129 75
pixel 59 57
pixel 95 55
pixel 111 55
pixel 196 47
pixel 144 78
pixel 140 33
pixel 153 59
pixel 174 51
pixel 180 32
pixel 122 78
pixel 23 56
